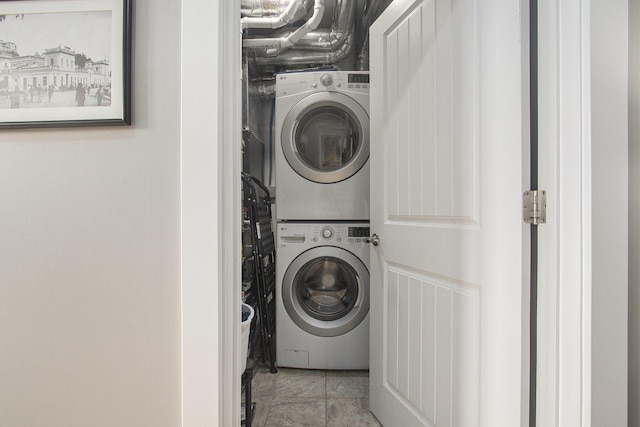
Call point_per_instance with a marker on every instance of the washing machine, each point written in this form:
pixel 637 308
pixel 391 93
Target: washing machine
pixel 322 307
pixel 321 134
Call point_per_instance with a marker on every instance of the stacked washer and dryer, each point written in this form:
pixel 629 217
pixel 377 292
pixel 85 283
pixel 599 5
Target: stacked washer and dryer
pixel 322 210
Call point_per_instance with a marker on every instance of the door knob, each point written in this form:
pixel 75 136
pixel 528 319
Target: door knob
pixel 374 240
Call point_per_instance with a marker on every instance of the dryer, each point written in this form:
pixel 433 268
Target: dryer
pixel 321 124
pixel 322 307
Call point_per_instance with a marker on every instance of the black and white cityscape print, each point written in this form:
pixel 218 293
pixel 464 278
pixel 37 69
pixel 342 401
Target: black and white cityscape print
pixel 53 60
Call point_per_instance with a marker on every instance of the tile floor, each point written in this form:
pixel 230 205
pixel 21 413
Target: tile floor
pixel 299 397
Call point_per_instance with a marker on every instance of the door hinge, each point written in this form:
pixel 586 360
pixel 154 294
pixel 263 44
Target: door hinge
pixel 535 207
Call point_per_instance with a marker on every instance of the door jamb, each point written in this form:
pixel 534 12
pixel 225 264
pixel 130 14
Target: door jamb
pixel 210 212
pixel 574 324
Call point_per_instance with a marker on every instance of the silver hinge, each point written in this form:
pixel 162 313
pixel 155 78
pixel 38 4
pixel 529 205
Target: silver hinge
pixel 535 207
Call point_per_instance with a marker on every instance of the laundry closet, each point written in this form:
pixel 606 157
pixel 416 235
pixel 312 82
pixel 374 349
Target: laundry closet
pixel 387 139
pixel 306 132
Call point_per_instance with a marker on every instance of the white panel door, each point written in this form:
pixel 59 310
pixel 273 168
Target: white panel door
pixel 449 149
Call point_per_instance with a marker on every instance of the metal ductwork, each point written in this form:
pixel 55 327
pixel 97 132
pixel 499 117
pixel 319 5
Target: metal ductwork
pixel 272 46
pixel 323 46
pixel 266 8
pixel 308 45
pixel 309 57
pixel 272 14
pixel 329 38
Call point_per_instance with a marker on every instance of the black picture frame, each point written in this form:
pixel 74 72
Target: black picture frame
pixel 54 84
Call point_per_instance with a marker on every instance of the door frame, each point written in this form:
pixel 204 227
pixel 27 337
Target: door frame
pixel 570 246
pixel 211 212
pixel 582 270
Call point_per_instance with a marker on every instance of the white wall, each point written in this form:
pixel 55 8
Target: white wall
pixel 607 212
pixel 90 256
pixel 634 213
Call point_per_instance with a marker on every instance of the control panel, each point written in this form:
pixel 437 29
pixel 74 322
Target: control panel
pixel 318 234
pixel 291 83
pixel 358 235
pixel 327 233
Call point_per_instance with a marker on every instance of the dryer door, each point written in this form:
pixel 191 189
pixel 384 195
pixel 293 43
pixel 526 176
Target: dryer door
pixel 325 291
pixel 325 137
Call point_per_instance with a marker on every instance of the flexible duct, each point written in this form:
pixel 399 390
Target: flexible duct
pixel 329 38
pixel 307 27
pixel 273 46
pixel 264 8
pixel 309 57
pixel 295 10
pixel 325 46
pixel 266 89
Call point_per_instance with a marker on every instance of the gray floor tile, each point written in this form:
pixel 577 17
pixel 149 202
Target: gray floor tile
pixel 262 411
pixel 349 413
pixel 299 397
pixel 297 412
pixel 348 384
pixel 263 383
pixel 300 383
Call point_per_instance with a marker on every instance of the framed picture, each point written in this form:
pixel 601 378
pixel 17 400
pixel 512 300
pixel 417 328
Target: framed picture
pixel 65 63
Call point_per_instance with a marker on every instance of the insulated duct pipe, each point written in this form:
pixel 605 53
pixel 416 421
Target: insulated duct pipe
pixel 265 8
pixel 295 10
pixel 328 39
pixel 307 57
pixel 266 89
pixel 307 27
pixel 261 8
pixel 273 46
pixel 321 46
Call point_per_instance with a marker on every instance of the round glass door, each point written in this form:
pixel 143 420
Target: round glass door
pixel 326 291
pixel 327 288
pixel 325 137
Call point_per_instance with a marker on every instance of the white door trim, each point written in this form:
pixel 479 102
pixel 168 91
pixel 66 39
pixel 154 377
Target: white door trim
pixel 211 212
pixel 582 248
pixel 561 110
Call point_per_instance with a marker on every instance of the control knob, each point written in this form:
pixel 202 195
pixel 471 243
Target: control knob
pixel 327 233
pixel 326 80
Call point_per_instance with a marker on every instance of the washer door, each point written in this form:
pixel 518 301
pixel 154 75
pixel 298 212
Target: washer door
pixel 325 291
pixel 325 137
